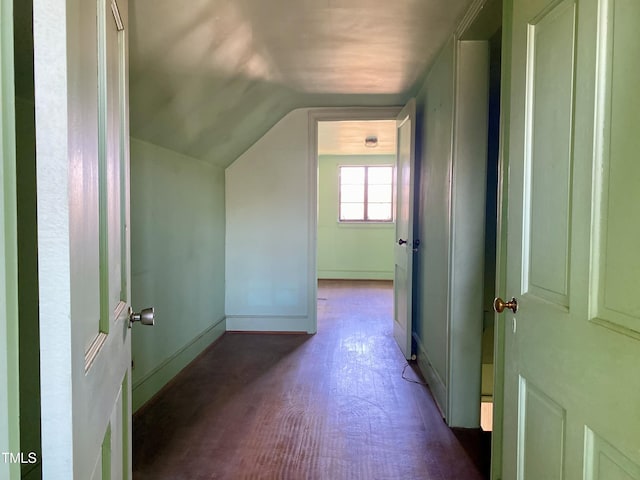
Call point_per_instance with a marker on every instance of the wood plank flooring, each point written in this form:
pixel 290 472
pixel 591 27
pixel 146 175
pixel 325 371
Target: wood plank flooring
pixel 329 406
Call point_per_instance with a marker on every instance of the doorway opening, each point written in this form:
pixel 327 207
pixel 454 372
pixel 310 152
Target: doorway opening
pixel 353 157
pixel 479 68
pixel 27 233
pixel 356 229
pixel 491 227
pixel 355 205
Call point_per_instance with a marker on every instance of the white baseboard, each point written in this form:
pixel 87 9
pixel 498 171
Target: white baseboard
pixel 436 385
pixel 145 388
pixel 246 323
pixel 353 275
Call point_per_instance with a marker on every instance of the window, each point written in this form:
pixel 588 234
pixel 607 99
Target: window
pixel 366 194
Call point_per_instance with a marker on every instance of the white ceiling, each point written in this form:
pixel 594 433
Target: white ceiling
pixel 348 137
pixel 209 77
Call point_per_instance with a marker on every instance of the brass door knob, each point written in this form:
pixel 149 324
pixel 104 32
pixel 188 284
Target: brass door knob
pixel 499 305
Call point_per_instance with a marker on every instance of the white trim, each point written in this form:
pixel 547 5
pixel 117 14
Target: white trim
pixel 328 115
pixel 312 248
pixel 115 10
pixel 268 323
pixel 355 275
pixel 501 245
pixel 470 16
pixel 146 387
pixel 50 30
pixel 467 235
pixel 436 385
pixel 451 225
pixel 9 361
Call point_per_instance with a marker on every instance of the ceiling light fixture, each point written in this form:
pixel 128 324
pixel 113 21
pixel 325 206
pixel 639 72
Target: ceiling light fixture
pixel 371 141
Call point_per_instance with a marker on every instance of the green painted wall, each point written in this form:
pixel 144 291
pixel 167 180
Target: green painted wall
pixel 350 250
pixel 178 262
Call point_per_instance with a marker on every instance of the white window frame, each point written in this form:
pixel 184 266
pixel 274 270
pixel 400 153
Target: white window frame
pixel 366 194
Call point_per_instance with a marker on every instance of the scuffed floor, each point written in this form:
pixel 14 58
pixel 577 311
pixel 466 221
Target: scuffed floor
pixel 329 406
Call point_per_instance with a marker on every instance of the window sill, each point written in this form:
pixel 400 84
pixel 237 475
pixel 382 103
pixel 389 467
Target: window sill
pixel 365 224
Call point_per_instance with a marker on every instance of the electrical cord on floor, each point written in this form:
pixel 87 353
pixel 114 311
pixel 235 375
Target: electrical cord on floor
pixel 409 379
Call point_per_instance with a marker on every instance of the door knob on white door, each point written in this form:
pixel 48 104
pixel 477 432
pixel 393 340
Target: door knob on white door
pixel 145 317
pixel 499 305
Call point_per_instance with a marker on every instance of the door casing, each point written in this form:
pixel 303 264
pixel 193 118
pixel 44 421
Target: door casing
pixel 335 114
pixel 9 363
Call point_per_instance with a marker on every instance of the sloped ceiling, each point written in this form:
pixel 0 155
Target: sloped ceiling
pixel 210 77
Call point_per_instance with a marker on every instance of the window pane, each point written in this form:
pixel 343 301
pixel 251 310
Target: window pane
pixel 379 193
pixel 380 175
pixel 352 193
pixel 352 211
pixel 379 211
pixel 352 175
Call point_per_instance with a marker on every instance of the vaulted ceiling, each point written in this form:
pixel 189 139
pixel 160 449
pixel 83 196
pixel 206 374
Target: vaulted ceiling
pixel 210 77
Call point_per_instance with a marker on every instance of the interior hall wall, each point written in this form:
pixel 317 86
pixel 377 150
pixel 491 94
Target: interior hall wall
pixel 268 248
pixel 434 105
pixel 177 262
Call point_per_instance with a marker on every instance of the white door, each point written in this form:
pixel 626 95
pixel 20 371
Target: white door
pixel 572 383
pixel 404 246
pixel 82 139
pixel 9 384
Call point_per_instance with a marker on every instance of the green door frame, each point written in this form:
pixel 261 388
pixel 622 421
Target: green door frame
pixel 9 386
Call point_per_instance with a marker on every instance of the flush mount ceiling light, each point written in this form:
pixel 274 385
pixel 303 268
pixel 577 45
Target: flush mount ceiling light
pixel 371 141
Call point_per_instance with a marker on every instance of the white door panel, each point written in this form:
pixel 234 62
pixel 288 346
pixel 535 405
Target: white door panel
pixel 572 389
pixel 82 136
pixel 404 247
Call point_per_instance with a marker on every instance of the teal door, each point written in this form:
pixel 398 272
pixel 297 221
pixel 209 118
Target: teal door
pixel 82 145
pixel 572 387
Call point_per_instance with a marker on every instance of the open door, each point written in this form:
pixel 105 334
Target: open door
pixel 405 244
pixel 82 152
pixel 572 388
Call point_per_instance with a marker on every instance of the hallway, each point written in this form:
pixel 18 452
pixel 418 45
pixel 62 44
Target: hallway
pixel 329 406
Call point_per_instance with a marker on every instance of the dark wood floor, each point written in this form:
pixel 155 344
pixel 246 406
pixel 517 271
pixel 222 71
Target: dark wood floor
pixel 329 406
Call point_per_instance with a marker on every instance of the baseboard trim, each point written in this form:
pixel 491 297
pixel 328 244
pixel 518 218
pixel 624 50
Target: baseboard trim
pixel 246 323
pixel 354 275
pixel 436 385
pixel 149 385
